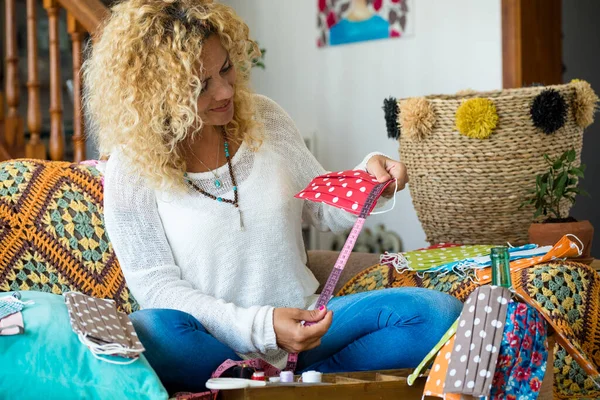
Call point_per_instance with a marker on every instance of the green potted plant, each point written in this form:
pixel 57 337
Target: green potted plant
pixel 259 61
pixel 554 194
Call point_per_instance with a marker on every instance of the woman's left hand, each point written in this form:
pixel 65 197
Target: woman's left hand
pixel 385 169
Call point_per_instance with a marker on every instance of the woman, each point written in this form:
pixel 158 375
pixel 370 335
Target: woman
pixel 200 210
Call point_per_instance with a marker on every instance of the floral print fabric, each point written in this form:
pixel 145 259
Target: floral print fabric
pixel 523 354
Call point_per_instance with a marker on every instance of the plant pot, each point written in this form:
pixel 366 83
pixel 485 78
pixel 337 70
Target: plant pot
pixel 550 233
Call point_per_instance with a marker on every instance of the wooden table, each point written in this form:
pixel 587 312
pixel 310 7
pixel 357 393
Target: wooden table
pixel 368 385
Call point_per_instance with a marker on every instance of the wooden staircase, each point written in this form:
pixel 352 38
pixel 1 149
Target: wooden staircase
pixel 84 17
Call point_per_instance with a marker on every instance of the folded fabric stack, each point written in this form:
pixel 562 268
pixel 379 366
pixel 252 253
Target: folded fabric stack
pixel 463 260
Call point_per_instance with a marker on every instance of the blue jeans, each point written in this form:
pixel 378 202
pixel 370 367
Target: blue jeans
pixel 384 329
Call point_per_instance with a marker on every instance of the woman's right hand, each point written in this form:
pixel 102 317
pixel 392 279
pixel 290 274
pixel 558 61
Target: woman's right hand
pixel 294 337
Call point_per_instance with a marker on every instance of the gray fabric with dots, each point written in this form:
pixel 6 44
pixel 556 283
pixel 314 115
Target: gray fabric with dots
pixel 100 321
pixel 478 337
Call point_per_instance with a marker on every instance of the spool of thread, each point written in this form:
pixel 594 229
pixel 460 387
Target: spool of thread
pixel 286 376
pixel 311 377
pixel 258 376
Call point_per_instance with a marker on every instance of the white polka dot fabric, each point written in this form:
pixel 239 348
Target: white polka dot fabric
pixel 478 338
pixel 347 190
pixel 99 321
pixel 444 258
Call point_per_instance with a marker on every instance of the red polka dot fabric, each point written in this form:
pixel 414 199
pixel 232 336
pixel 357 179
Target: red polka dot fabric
pixel 347 190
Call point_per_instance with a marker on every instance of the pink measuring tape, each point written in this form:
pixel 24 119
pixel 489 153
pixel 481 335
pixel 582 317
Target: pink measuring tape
pixel 356 192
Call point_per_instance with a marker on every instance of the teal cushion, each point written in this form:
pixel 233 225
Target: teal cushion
pixel 48 361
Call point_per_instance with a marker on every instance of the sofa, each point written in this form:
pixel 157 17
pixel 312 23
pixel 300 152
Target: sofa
pixel 52 239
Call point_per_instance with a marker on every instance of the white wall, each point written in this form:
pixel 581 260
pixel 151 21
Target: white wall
pixel 337 92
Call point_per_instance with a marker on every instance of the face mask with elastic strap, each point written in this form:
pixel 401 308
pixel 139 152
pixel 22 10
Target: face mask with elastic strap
pixel 107 332
pixel 12 304
pixel 478 337
pixel 523 354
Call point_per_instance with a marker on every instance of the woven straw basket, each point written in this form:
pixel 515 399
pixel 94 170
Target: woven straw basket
pixel 467 189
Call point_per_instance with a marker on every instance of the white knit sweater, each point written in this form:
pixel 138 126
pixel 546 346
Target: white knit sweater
pixel 187 252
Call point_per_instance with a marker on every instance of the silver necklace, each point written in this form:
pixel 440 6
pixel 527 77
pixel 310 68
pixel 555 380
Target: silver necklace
pixel 217 180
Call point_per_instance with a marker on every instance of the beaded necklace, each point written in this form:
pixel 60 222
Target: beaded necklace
pixel 235 201
pixel 217 181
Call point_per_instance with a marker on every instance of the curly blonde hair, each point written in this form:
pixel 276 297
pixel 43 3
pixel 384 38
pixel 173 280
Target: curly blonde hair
pixel 142 82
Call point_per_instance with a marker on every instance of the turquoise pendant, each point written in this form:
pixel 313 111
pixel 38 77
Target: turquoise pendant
pixel 218 184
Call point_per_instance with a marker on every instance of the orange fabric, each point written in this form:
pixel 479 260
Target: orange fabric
pixel 437 376
pixel 564 248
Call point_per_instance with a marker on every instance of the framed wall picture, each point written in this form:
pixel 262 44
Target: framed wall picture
pixel 349 21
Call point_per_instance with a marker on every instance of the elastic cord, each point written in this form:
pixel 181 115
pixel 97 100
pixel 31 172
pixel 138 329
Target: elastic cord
pixel 393 203
pixel 579 250
pixel 109 349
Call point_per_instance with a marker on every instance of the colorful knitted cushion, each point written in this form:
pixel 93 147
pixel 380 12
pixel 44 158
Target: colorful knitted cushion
pixel 52 236
pixel 567 293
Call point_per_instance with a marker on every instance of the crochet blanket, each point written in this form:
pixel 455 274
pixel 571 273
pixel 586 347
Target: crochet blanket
pixel 52 234
pixel 567 294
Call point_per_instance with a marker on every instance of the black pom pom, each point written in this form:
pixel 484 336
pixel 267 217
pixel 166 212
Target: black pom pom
pixel 549 111
pixel 390 108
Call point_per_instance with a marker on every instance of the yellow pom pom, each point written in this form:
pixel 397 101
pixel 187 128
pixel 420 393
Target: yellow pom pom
pixel 416 118
pixel 584 104
pixel 476 118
